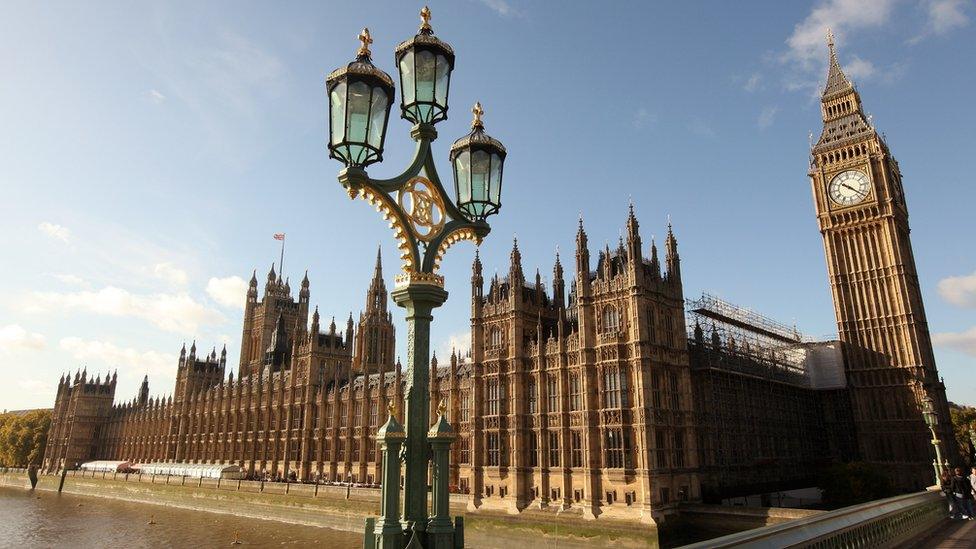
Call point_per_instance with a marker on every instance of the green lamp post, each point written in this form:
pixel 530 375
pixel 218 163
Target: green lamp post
pixel 425 222
pixel 932 420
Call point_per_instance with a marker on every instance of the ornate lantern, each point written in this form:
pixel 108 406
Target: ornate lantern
pixel 360 96
pixel 425 65
pixel 928 412
pixel 477 159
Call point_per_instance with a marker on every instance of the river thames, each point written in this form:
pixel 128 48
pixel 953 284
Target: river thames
pixel 47 519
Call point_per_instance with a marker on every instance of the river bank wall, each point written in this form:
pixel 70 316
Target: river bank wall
pixel 328 506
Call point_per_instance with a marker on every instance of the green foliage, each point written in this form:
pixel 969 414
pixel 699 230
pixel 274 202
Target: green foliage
pixel 23 437
pixel 846 484
pixel 963 419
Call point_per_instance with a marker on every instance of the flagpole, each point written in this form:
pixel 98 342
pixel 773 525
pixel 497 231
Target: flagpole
pixel 281 260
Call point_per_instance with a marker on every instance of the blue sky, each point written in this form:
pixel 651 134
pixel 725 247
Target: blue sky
pixel 148 152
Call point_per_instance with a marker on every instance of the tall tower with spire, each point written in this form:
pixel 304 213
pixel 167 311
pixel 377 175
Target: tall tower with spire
pixel 376 341
pixel 261 318
pixel 863 217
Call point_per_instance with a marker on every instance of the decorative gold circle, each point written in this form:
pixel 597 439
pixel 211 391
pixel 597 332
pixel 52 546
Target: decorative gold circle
pixel 423 207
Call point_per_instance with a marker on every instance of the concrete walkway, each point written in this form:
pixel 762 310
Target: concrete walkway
pixel 951 534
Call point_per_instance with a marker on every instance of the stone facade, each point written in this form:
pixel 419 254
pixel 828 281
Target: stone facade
pixel 596 395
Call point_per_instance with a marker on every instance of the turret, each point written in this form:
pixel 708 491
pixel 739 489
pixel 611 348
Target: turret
pixel 269 287
pixel 671 257
pixel 558 284
pixel 515 275
pixel 477 284
pixel 349 330
pixel 144 391
pixel 582 260
pixel 315 322
pixel 252 288
pixel 223 356
pixel 304 292
pixel 655 262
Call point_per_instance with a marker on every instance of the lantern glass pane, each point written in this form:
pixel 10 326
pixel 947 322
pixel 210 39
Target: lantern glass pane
pixel 462 172
pixel 494 190
pixel 358 119
pixel 440 88
pixel 426 75
pixel 377 113
pixel 407 77
pixel 337 102
pixel 479 175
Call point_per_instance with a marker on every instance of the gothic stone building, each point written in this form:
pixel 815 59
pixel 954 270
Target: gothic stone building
pixel 602 394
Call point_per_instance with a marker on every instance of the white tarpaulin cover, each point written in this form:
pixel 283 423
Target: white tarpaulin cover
pixel 191 470
pixel 106 466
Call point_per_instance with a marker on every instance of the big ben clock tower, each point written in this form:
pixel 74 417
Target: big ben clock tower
pixel 890 366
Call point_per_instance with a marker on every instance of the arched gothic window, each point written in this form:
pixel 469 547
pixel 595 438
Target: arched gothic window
pixel 611 319
pixel 495 338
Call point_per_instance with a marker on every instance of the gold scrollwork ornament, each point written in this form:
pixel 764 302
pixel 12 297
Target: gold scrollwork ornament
pixel 423 208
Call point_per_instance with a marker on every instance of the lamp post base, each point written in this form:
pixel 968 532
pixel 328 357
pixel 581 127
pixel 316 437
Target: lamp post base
pixel 419 299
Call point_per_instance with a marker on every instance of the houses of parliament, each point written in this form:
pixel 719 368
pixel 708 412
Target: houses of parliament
pixel 611 392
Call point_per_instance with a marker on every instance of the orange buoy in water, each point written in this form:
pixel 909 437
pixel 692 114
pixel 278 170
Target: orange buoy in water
pixel 237 539
pixel 152 519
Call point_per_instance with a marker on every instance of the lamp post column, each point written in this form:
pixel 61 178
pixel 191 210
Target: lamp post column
pixel 419 299
pixel 938 457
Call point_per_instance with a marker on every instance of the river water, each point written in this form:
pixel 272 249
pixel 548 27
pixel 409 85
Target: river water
pixel 48 519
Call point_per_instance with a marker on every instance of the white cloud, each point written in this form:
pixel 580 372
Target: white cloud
pixel 14 337
pixel 946 15
pixel 230 291
pixel 129 361
pixel 752 84
pixel 70 279
pixel 171 312
pixel 960 341
pixel 807 45
pixel 767 116
pixel 166 271
pixel 959 290
pixel 502 7
pixel 643 118
pixel 55 231
pixel 156 96
pixel 460 342
pixel 859 69
pixel 806 52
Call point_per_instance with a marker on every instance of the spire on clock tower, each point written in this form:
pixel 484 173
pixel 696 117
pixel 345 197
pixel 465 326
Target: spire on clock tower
pixel 840 107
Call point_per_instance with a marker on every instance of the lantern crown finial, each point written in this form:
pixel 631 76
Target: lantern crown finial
pixel 425 27
pixel 389 407
pixel 442 407
pixel 366 39
pixel 478 112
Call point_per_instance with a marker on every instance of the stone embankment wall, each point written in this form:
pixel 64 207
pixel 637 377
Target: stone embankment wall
pixel 326 506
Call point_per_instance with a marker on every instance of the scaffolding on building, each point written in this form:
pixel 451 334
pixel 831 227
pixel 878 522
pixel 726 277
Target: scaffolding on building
pixel 746 341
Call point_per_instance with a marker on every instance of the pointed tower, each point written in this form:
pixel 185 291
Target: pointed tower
pixel 863 218
pixel 558 284
pixel 515 275
pixel 376 340
pixel 144 391
pixel 671 258
pixel 582 261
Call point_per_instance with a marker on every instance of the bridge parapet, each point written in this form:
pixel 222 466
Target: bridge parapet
pixel 881 523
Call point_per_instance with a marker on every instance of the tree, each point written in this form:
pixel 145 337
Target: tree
pixel 963 419
pixel 23 437
pixel 852 483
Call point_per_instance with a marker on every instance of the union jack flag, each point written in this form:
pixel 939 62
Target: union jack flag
pixel 279 236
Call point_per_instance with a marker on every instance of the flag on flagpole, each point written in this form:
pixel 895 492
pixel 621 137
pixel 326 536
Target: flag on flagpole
pixel 279 236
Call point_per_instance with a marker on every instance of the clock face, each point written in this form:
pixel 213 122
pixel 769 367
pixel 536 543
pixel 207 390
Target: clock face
pixel 849 188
